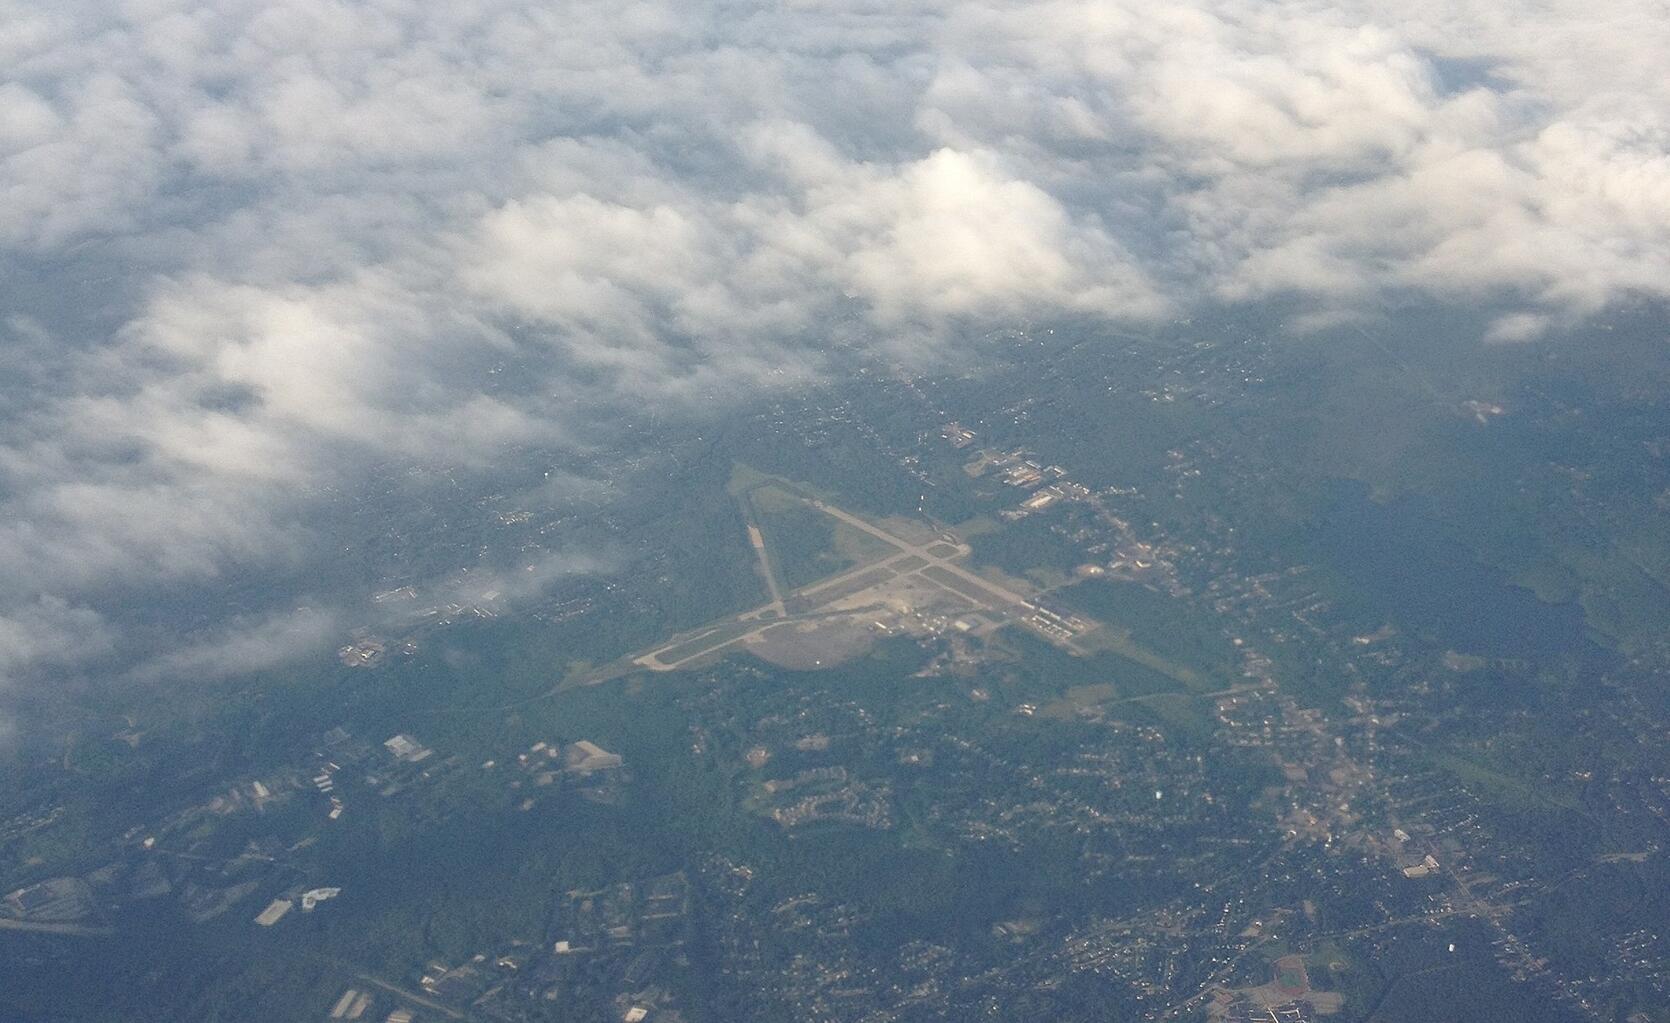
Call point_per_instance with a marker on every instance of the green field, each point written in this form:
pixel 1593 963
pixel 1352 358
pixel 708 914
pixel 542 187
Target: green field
pixel 802 543
pixel 1154 630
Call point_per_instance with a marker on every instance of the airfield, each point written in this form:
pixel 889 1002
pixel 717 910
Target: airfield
pixel 916 582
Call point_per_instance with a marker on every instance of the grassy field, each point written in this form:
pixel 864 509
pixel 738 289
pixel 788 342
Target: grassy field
pixel 1497 785
pixel 803 544
pixel 1155 631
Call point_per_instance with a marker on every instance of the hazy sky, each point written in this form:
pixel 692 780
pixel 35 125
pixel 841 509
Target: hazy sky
pixel 312 227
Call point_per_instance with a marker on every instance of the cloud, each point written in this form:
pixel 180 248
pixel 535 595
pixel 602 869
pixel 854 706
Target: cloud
pixel 51 631
pixel 689 288
pixel 1463 153
pixel 243 645
pixel 955 234
pixel 512 586
pixel 326 226
pixel 43 636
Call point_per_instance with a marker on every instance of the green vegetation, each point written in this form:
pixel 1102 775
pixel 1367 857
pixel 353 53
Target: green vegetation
pixel 1152 629
pixel 1474 990
pixel 1017 806
pixel 1028 548
pixel 1503 785
pixel 1052 670
pixel 802 543
pixel 1187 717
pixel 1079 698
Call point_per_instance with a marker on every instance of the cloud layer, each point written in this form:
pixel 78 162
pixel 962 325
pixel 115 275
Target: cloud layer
pixel 319 226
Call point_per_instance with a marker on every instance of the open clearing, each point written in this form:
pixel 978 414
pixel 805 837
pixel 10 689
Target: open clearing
pixel 806 646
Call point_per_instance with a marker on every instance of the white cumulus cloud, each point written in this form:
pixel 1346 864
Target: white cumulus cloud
pixel 322 221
